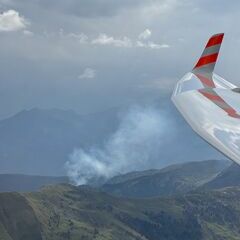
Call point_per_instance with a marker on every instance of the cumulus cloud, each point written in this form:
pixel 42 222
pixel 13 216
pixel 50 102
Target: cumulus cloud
pixel 145 34
pixel 12 21
pixel 87 73
pixel 157 46
pixel 104 39
pixel 151 45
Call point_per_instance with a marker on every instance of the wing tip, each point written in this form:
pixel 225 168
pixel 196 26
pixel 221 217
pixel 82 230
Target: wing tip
pixel 210 53
pixel 218 34
pixel 215 40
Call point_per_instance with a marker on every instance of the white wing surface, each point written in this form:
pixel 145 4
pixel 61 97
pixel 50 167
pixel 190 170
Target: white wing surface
pixel 210 104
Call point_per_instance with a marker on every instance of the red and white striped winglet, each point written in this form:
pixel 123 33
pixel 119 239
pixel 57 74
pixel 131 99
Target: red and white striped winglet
pixel 210 54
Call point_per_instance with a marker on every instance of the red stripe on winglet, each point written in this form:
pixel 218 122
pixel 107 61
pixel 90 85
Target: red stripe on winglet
pixel 235 115
pixel 206 81
pixel 231 112
pixel 214 40
pixel 207 60
pixel 211 96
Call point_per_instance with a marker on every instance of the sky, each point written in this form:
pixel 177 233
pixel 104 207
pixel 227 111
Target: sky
pixel 93 55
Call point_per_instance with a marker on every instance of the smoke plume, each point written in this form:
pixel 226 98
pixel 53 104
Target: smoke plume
pixel 134 146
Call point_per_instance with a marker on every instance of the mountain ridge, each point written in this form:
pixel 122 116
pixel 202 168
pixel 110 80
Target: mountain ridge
pixel 174 179
pixel 40 141
pixel 170 180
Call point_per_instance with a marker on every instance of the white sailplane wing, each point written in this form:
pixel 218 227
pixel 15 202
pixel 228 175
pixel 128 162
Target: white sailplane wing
pixel 210 104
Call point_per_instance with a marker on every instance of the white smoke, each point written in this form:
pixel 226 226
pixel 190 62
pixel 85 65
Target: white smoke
pixel 134 146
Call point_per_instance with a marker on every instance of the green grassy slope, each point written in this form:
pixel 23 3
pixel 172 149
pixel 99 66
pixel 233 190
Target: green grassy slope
pixel 66 212
pixel 228 177
pixel 17 218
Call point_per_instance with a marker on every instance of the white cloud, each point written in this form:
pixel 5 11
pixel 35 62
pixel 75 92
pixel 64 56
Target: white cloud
pixel 104 39
pixel 28 33
pixel 87 73
pixel 12 21
pixel 145 34
pixel 81 37
pixel 140 44
pixel 151 45
pixel 157 46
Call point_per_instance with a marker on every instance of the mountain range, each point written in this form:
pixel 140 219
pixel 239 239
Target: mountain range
pixel 174 179
pixel 40 141
pixel 195 200
pixel 167 181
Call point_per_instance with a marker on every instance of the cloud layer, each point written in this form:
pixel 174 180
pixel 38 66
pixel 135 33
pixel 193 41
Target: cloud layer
pixel 104 39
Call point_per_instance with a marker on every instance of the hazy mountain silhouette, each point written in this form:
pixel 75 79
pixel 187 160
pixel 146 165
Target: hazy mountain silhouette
pixel 39 141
